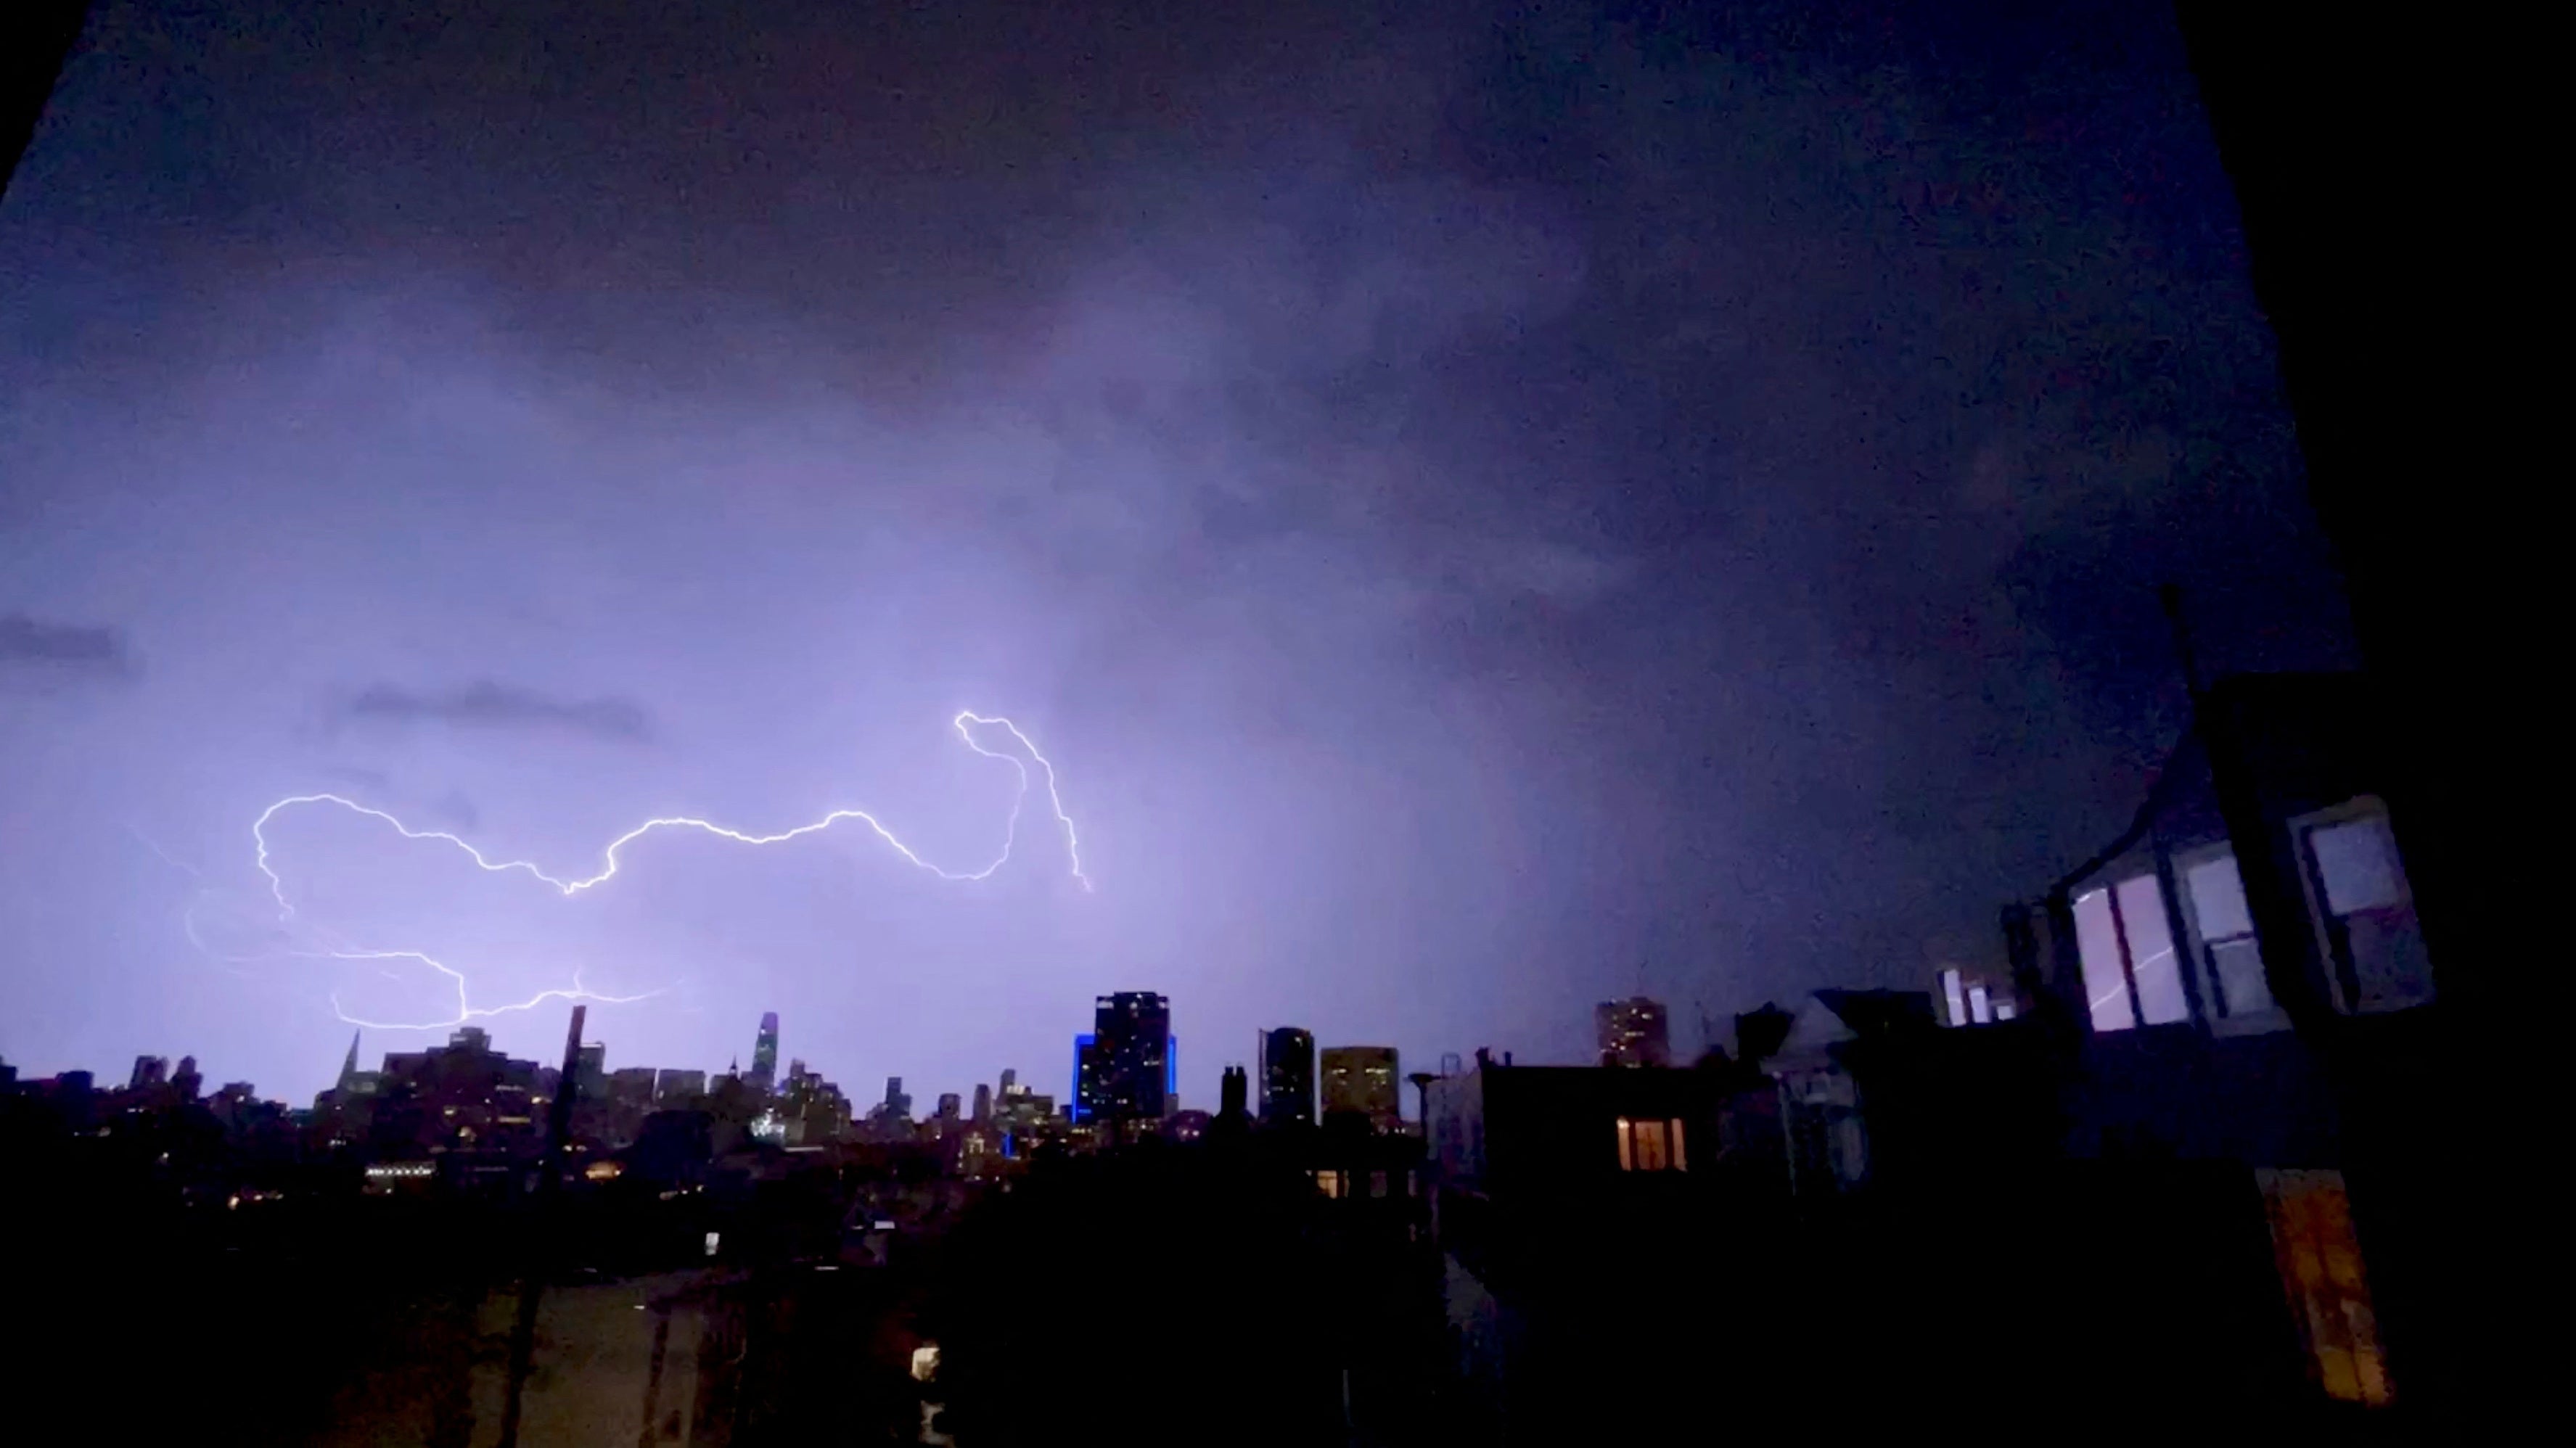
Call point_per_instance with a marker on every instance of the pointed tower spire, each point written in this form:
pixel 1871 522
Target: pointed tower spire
pixel 349 1067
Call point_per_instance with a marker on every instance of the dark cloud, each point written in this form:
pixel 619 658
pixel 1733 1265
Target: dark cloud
pixel 488 705
pixel 86 647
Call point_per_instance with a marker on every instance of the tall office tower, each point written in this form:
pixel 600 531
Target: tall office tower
pixel 897 1105
pixel 1132 1042
pixel 948 1108
pixel 1086 1077
pixel 590 1071
pixel 1362 1080
pixel 149 1071
pixel 1287 1077
pixel 1010 1078
pixel 1232 1090
pixel 983 1103
pixel 1632 1032
pixel 764 1054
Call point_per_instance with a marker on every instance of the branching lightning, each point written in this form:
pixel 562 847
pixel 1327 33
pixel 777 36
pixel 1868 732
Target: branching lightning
pixel 965 723
pixel 465 1011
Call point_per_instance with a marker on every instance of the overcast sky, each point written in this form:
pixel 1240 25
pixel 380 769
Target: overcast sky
pixel 1481 516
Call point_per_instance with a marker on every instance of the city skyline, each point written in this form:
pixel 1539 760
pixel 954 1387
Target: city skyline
pixel 1446 599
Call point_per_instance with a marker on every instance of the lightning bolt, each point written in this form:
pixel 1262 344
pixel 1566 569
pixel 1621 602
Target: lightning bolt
pixel 966 723
pixel 465 1010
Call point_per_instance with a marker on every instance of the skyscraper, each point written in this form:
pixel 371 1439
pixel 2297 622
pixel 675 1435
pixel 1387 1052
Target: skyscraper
pixel 1287 1077
pixel 949 1106
pixel 590 1072
pixel 1132 1044
pixel 149 1071
pixel 983 1103
pixel 1632 1032
pixel 1231 1091
pixel 764 1055
pixel 1363 1080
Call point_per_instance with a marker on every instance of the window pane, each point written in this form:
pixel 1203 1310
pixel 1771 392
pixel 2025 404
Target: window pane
pixel 1627 1162
pixel 2238 964
pixel 2321 1266
pixel 1980 1008
pixel 2388 959
pixel 2218 898
pixel 1681 1157
pixel 2151 953
pixel 1650 1145
pixel 2357 860
pixel 2097 941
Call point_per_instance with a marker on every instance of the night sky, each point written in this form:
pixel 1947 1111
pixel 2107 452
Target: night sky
pixel 1481 516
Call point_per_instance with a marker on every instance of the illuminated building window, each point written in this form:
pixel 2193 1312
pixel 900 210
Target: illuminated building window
pixel 1329 1183
pixel 2230 960
pixel 1652 1145
pixel 2358 896
pixel 2127 952
pixel 2320 1264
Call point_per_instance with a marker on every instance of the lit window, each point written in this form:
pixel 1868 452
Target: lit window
pixel 2128 956
pixel 2231 960
pixel 1329 1183
pixel 2357 891
pixel 2320 1264
pixel 1981 1007
pixel 1651 1145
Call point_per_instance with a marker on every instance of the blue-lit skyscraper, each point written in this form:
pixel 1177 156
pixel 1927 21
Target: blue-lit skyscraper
pixel 1129 1059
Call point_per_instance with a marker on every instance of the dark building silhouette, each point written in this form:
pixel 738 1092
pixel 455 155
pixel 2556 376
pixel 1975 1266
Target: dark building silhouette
pixel 187 1083
pixel 1132 1055
pixel 1758 1034
pixel 1231 1092
pixel 1363 1081
pixel 149 1071
pixel 590 1071
pixel 983 1103
pixel 463 1096
pixel 2393 325
pixel 2243 971
pixel 1287 1077
pixel 764 1055
pixel 1568 1197
pixel 1632 1032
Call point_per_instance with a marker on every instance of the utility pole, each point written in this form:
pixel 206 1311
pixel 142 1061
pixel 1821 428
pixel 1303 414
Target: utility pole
pixel 523 1339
